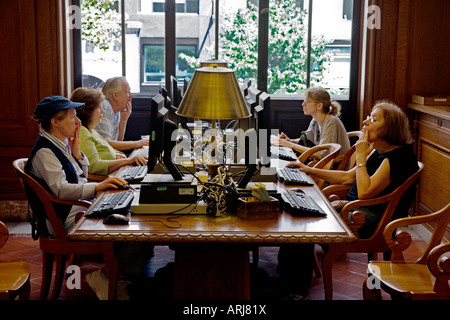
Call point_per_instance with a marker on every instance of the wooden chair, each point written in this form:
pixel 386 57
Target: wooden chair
pixel 376 242
pixel 324 163
pixel 14 274
pixel 58 247
pixel 347 160
pixel 425 279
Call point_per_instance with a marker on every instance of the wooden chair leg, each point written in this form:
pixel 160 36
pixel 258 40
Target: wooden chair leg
pixel 59 275
pixel 113 270
pixel 24 293
pixel 370 294
pixel 47 269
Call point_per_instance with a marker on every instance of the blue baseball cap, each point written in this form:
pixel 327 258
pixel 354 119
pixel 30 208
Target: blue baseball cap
pixel 49 106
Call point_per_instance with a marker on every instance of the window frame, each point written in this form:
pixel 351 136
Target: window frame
pixel 349 105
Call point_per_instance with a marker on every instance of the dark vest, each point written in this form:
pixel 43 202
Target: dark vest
pixel 36 205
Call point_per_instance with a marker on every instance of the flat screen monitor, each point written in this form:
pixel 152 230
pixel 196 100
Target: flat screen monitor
pixel 262 121
pixel 161 144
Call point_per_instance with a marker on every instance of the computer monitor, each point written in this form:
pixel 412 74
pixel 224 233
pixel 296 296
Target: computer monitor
pixel 251 101
pixel 175 92
pixel 186 82
pixel 262 121
pixel 161 144
pixel 176 100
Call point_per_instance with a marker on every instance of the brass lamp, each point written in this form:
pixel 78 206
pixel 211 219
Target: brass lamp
pixel 213 94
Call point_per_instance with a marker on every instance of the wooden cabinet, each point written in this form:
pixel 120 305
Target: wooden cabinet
pixel 431 126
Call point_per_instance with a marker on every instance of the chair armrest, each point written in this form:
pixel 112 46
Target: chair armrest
pixel 82 203
pixel 399 241
pixel 438 263
pixel 339 190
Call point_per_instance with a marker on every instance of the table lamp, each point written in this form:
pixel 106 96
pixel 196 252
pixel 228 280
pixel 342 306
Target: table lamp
pixel 213 94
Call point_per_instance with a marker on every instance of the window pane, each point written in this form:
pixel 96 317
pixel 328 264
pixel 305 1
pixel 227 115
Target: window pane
pixel 145 48
pixel 288 40
pixel 332 28
pixel 238 38
pixel 101 42
pixel 194 36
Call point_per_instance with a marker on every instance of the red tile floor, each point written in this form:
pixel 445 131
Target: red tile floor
pixel 349 270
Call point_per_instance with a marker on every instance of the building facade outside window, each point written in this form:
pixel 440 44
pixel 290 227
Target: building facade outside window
pixel 306 46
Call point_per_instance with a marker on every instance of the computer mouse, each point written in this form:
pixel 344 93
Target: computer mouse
pixel 123 186
pixel 115 218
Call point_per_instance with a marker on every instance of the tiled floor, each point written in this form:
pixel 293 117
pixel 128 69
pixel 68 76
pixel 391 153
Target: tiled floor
pixel 349 270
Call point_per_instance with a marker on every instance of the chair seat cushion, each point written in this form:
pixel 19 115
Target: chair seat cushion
pixel 13 275
pixel 403 277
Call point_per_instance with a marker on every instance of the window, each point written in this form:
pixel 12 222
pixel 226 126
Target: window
pixel 154 64
pixel 309 42
pixel 152 6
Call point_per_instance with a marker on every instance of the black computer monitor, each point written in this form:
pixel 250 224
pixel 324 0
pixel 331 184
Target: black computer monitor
pixel 186 82
pixel 262 121
pixel 161 144
pixel 175 92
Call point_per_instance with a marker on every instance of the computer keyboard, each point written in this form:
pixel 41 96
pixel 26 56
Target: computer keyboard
pixel 297 203
pixel 283 153
pixel 292 176
pixel 134 174
pixel 142 151
pixel 117 202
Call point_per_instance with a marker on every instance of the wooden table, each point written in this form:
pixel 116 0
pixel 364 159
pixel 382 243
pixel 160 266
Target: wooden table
pixel 212 253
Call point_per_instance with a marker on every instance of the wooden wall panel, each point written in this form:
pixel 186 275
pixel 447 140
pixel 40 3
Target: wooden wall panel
pixel 30 71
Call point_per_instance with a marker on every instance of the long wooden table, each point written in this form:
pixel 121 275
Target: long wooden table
pixel 212 253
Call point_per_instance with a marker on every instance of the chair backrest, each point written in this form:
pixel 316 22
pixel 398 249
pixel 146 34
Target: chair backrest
pixel 324 163
pixel 348 159
pixel 46 198
pixel 4 234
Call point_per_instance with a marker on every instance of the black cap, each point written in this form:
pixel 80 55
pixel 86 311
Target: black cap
pixel 49 106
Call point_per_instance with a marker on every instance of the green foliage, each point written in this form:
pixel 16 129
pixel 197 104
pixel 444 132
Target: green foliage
pixel 100 23
pixel 238 45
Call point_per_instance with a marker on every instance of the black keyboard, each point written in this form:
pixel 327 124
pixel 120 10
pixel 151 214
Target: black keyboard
pixel 297 203
pixel 292 176
pixel 117 202
pixel 282 153
pixel 135 173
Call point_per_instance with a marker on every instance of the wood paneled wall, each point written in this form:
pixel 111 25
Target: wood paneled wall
pixel 30 64
pixel 409 54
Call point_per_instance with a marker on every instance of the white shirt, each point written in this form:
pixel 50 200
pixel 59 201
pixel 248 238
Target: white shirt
pixel 46 165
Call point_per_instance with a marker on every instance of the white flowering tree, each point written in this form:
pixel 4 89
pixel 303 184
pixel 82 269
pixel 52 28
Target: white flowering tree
pixel 238 45
pixel 101 23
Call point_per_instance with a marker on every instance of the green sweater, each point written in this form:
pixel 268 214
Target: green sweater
pixel 98 151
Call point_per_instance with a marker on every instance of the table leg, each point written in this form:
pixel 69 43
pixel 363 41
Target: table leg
pixel 327 266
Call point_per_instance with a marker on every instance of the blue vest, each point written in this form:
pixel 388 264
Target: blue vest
pixel 36 205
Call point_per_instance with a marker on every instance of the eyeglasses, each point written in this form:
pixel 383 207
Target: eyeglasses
pixel 308 101
pixel 371 119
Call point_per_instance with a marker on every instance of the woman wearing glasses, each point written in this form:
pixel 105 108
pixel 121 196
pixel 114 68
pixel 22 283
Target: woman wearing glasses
pixel 384 161
pixel 385 132
pixel 325 127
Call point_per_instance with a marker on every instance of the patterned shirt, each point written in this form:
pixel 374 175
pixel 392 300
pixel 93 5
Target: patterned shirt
pixel 109 125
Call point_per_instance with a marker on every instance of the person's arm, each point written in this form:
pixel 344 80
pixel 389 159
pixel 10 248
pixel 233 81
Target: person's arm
pixel 124 115
pixel 369 186
pixel 128 145
pixel 332 176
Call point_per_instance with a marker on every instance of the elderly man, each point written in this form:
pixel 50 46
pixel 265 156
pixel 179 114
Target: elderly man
pixel 117 110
